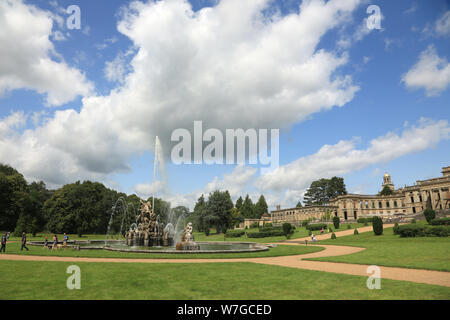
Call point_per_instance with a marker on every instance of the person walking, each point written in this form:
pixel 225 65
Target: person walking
pixel 65 240
pixel 24 241
pixel 3 242
pixel 8 235
pixel 55 242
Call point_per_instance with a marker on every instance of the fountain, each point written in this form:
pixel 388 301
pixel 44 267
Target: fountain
pixel 187 240
pixel 147 231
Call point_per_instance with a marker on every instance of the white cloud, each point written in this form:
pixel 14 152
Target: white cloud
pixel 442 26
pixel 26 56
pixel 116 69
pixel 212 65
pixel 431 73
pixel 342 158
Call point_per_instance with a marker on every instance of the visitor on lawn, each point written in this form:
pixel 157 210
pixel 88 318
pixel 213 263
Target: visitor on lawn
pixel 46 242
pixel 3 248
pixel 65 240
pixel 24 241
pixel 55 242
pixel 321 231
pixel 7 236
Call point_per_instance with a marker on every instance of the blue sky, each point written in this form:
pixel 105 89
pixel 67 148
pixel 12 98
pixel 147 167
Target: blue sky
pixel 401 75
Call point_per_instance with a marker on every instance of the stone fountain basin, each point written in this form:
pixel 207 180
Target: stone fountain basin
pixel 205 247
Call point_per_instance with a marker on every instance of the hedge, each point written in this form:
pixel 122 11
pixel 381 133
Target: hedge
pixel 440 222
pixel 263 234
pixel 364 220
pixel 415 230
pixel 317 226
pixel 234 234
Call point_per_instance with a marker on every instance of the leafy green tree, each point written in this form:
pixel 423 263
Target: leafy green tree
pixel 199 216
pixel 260 207
pixel 239 203
pixel 386 191
pixel 12 189
pixel 248 208
pixel 321 191
pixel 219 207
pixel 288 230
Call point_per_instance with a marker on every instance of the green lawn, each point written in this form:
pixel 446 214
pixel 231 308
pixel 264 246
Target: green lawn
pixel 391 250
pixel 217 281
pixel 280 250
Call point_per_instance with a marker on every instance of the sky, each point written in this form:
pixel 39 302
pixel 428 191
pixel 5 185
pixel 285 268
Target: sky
pixel 350 98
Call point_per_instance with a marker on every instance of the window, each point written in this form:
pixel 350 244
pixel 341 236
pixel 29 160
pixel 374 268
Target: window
pixel 387 204
pixel 395 203
pixel 373 205
pixel 380 204
pixel 367 204
pixel 412 199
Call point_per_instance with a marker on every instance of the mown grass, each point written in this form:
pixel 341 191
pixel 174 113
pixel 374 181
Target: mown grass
pixel 390 250
pixel 280 250
pixel 217 281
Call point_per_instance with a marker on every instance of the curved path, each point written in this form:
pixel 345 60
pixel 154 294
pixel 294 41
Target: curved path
pixel 296 261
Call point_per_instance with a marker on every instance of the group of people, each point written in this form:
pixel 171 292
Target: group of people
pixel 5 239
pixel 55 242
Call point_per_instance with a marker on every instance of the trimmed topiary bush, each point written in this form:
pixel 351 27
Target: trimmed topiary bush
pixel 396 228
pixel 349 226
pixel 356 232
pixel 287 230
pixel 429 214
pixel 333 236
pixel 336 222
pixel 377 225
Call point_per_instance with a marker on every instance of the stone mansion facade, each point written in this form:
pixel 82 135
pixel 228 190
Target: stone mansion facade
pixel 403 202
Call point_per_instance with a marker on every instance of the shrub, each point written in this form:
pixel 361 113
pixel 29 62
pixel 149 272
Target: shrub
pixel 413 221
pixel 287 230
pixel 364 220
pixel 429 214
pixel 264 234
pixel 356 232
pixel 305 223
pixel 365 224
pixel 349 226
pixel 235 234
pixel 333 236
pixel 336 222
pixel 254 225
pixel 207 232
pixel 330 229
pixel 317 226
pixel 440 222
pixel 396 228
pixel 377 224
pixel 414 230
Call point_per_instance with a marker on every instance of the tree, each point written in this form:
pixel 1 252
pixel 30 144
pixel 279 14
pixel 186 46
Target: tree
pixel 321 191
pixel 239 203
pixel 336 222
pixel 299 205
pixel 199 214
pixel 12 189
pixel 386 191
pixel 31 202
pixel 429 214
pixel 260 207
pixel 247 209
pixel 288 230
pixel 377 225
pixel 219 207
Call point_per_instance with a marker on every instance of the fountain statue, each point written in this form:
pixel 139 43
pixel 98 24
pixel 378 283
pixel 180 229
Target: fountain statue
pixel 147 231
pixel 187 239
